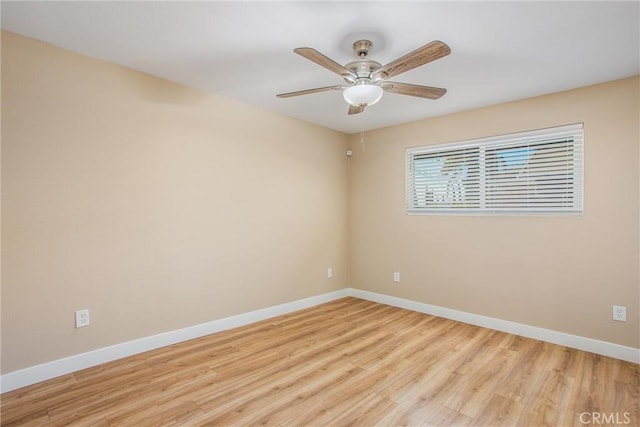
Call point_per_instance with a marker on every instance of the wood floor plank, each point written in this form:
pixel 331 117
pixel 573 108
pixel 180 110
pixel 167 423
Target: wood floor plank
pixel 27 417
pixel 444 416
pixel 346 362
pixel 180 413
pixel 547 407
pixel 31 403
pixel 409 413
pixel 478 386
pixel 499 411
pixel 345 412
pixel 523 380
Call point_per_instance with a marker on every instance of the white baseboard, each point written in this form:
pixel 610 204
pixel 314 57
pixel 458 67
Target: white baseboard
pixel 604 348
pixel 56 368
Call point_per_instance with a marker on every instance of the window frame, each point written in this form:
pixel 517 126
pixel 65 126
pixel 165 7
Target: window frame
pixel 574 135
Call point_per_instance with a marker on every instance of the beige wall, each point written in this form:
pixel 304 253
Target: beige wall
pixel 557 272
pixel 160 207
pixel 155 206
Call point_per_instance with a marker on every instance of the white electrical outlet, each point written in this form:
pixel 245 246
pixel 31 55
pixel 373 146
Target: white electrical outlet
pixel 82 318
pixel 396 277
pixel 329 273
pixel 620 313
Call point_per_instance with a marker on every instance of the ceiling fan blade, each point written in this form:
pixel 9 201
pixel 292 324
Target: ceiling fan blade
pixel 355 110
pixel 423 55
pixel 308 91
pixel 413 90
pixel 324 61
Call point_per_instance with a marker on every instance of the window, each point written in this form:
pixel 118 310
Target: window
pixel 529 172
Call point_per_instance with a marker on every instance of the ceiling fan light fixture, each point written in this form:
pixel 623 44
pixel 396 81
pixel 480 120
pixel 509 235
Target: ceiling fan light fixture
pixel 362 95
pixel 367 79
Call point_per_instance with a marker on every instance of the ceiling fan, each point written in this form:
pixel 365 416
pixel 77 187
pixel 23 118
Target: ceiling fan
pixel 367 79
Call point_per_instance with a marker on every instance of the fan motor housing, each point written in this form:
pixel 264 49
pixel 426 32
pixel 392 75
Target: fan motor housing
pixel 363 68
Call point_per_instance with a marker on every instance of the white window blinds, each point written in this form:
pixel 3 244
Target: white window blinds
pixel 538 171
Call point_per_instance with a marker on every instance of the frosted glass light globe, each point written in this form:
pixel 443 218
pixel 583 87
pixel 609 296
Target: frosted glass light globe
pixel 362 95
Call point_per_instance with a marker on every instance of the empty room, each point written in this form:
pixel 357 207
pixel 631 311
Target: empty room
pixel 300 213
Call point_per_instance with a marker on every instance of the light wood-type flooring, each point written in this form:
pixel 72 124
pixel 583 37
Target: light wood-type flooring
pixel 347 362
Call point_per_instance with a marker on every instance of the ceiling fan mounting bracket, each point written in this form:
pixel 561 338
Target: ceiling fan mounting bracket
pixel 362 48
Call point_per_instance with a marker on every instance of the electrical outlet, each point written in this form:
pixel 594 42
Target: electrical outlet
pixel 620 313
pixel 396 277
pixel 82 318
pixel 329 273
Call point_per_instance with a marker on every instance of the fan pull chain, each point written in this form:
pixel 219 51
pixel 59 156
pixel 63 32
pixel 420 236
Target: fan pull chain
pixel 362 131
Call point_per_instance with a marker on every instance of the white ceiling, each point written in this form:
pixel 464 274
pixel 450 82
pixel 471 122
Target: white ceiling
pixel 501 51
